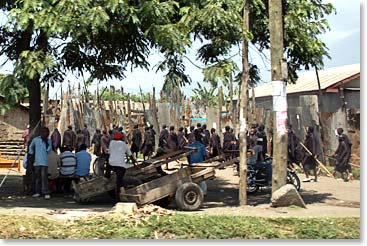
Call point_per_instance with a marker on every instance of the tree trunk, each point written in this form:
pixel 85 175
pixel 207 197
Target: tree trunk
pixel 155 119
pixel 142 101
pixel 232 115
pixel 280 145
pixel 243 109
pixel 238 109
pixel 321 124
pixel 220 102
pixel 253 104
pixel 129 116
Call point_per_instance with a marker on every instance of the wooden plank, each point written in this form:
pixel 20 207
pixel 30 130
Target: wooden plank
pixel 162 191
pixel 170 178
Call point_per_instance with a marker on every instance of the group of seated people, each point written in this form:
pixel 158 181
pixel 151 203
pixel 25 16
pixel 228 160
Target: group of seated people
pixel 67 166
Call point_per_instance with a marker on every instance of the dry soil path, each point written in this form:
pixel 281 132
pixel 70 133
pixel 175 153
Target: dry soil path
pixel 326 198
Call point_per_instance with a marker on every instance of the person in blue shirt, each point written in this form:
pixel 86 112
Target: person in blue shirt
pixel 199 155
pixel 83 159
pixel 40 147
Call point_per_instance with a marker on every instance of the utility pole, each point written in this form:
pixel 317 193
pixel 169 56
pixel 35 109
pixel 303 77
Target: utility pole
pixel 243 107
pixel 278 77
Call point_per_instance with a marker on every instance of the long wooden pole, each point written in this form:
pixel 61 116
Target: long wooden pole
pixel 243 108
pixel 280 140
pixel 220 105
pixel 155 119
pixel 317 160
pixel 142 102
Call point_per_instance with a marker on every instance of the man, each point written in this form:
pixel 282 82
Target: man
pixel 256 159
pixel 68 162
pixel 349 147
pixel 182 140
pixel 53 168
pixel 115 129
pixel 83 159
pixel 163 137
pixel 67 169
pixel 342 155
pixel 172 142
pixel 228 139
pixel 118 151
pixel 152 136
pixel 25 136
pixel 40 147
pixel 252 139
pixel 96 141
pixel 56 139
pixel 69 138
pixel 309 162
pixel 136 141
pixel 86 134
pixel 199 155
pixel 147 144
pixel 270 142
pixel 79 140
pixel 191 135
pixel 261 135
pixel 293 147
pixel 206 136
pixel 103 157
pixel 214 143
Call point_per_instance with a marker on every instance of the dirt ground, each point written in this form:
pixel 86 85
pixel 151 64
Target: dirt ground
pixel 326 198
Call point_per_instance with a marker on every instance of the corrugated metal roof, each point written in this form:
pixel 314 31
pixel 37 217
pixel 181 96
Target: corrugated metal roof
pixel 307 81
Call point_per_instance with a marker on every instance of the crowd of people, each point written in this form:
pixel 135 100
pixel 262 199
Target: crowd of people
pixel 59 160
pixel 55 163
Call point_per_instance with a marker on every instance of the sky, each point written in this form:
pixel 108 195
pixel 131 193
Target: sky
pixel 343 42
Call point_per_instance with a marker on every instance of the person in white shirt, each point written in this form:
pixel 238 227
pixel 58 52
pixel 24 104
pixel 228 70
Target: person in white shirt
pixel 67 169
pixel 118 149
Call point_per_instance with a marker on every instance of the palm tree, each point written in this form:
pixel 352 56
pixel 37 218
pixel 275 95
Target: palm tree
pixel 222 71
pixel 204 96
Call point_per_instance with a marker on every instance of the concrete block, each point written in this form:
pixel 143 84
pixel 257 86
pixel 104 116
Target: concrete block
pixel 126 207
pixel 286 196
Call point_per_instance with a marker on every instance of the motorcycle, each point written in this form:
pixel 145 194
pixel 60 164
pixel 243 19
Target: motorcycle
pixel 259 176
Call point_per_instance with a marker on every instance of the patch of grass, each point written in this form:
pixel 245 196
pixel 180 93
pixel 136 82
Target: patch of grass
pixel 181 227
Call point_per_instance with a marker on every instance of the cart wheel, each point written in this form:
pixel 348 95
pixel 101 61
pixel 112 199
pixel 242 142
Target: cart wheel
pixel 189 196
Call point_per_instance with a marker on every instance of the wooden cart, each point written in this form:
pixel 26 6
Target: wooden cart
pixel 93 186
pixel 181 185
pixel 145 185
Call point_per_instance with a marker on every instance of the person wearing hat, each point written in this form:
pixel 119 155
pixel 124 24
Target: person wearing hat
pixel 118 149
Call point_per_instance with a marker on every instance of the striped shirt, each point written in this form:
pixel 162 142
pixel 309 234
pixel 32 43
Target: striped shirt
pixel 68 163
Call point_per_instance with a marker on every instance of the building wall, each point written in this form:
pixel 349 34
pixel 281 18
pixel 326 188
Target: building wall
pixel 13 123
pixel 303 111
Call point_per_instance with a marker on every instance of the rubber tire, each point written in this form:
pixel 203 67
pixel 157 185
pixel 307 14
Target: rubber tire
pixel 95 167
pixel 189 197
pixel 252 189
pixel 130 182
pixel 292 178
